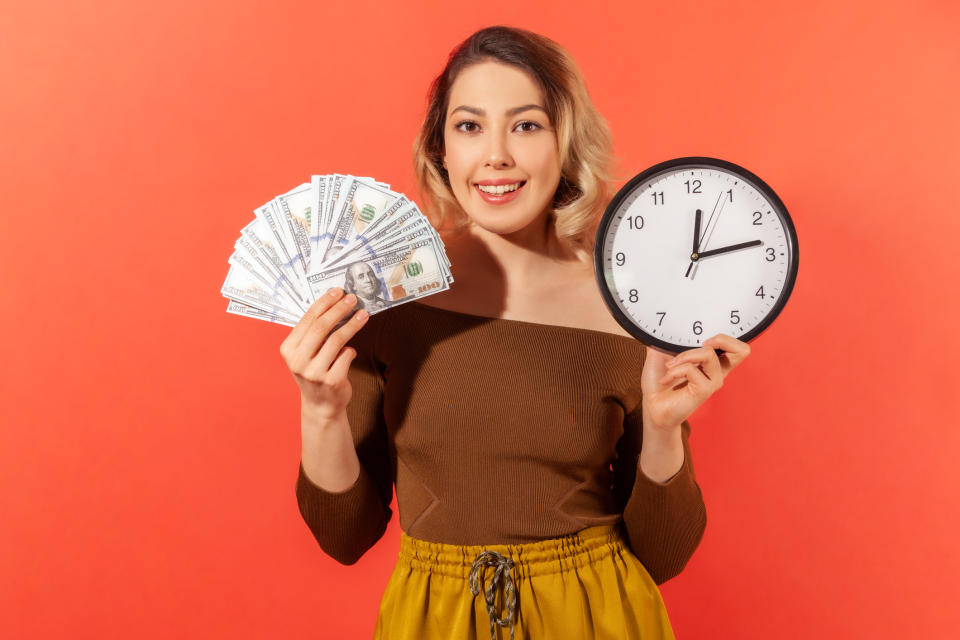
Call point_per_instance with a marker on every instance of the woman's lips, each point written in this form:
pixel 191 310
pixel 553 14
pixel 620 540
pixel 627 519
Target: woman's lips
pixel 501 199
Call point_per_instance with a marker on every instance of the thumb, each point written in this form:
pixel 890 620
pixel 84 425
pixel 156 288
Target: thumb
pixel 654 368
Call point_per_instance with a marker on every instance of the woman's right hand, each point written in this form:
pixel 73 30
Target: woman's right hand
pixel 319 359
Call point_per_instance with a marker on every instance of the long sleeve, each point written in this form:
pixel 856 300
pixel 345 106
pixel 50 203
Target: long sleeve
pixel 348 523
pixel 664 522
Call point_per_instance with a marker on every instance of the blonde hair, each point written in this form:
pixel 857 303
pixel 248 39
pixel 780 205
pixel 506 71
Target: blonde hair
pixel 583 138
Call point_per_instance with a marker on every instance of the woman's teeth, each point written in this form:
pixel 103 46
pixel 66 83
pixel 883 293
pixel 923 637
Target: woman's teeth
pixel 499 189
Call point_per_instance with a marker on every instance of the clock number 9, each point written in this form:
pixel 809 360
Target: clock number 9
pixel 636 222
pixel 621 258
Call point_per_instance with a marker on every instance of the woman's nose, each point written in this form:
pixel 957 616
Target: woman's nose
pixel 498 151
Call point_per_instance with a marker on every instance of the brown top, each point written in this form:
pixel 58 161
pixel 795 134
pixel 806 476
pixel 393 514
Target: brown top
pixel 500 431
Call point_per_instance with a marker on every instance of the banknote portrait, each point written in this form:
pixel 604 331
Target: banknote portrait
pixel 362 281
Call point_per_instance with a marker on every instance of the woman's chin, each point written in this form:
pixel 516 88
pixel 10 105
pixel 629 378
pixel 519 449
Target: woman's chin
pixel 505 223
pixel 502 227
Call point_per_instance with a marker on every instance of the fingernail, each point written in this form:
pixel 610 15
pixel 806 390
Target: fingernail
pixel 361 315
pixel 334 292
pixel 350 298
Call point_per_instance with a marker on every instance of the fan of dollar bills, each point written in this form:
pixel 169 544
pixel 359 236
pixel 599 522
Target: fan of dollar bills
pixel 334 231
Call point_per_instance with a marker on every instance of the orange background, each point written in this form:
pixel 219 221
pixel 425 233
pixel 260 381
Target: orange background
pixel 150 440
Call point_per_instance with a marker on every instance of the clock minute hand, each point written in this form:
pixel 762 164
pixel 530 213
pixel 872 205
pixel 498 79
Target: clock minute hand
pixel 696 240
pixel 732 247
pixel 696 231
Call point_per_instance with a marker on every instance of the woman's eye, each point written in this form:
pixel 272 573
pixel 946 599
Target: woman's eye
pixel 467 126
pixel 528 126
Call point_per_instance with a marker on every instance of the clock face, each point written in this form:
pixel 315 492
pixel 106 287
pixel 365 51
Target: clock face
pixel 673 288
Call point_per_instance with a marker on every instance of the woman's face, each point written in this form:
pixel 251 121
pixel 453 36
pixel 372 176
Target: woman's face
pixel 498 138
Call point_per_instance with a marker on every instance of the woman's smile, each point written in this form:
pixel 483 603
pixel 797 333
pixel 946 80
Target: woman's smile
pixel 499 191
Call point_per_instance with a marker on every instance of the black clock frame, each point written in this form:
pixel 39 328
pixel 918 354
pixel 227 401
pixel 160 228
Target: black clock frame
pixel 693 162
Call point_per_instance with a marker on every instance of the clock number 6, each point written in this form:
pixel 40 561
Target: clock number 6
pixel 697 328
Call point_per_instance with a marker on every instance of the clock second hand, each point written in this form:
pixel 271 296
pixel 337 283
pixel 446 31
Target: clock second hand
pixel 707 234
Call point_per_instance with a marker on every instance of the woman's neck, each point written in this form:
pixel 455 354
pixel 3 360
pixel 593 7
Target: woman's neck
pixel 521 253
pixel 510 271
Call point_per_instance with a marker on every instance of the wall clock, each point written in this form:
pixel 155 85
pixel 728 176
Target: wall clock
pixel 693 247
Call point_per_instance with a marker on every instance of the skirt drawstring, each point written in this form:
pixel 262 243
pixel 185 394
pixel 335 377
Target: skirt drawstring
pixel 502 572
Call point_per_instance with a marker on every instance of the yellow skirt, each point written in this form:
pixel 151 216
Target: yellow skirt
pixel 586 585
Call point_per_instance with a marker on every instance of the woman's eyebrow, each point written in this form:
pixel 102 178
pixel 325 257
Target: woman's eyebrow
pixel 509 112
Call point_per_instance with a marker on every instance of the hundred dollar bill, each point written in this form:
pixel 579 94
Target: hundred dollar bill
pixel 397 218
pixel 336 230
pixel 390 242
pixel 295 208
pixel 319 187
pixel 275 286
pixel 405 274
pixel 261 238
pixel 406 215
pixel 368 232
pixel 241 309
pixel 325 233
pixel 262 265
pixel 244 287
pixel 399 213
pixel 289 257
pixel 335 200
pixel 360 205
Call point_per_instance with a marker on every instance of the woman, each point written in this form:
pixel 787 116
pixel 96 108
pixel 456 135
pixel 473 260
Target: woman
pixel 540 454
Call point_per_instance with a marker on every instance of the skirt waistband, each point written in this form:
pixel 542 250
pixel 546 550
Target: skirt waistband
pixel 529 559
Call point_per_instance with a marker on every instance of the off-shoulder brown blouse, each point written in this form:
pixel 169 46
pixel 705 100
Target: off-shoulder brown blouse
pixel 499 431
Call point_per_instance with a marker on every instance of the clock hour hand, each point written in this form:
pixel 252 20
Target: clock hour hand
pixel 732 247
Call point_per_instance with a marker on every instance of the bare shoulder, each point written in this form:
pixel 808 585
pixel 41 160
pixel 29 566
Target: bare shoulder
pixel 564 294
pixel 591 310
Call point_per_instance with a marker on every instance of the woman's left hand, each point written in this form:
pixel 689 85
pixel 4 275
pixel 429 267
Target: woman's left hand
pixel 674 388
